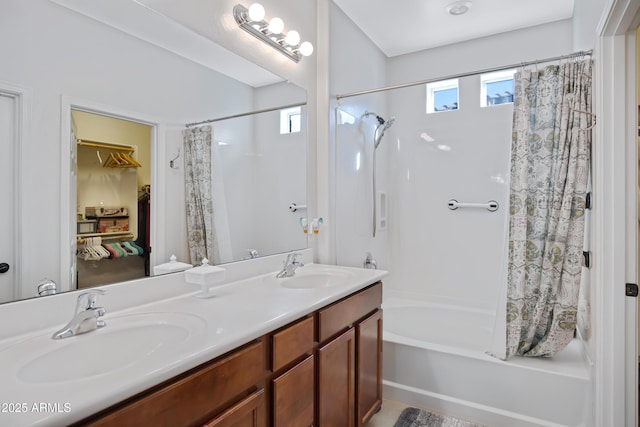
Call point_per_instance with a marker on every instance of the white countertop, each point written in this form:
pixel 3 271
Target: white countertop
pixel 240 312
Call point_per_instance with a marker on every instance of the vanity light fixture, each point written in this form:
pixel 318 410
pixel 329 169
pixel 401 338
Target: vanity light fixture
pixel 252 20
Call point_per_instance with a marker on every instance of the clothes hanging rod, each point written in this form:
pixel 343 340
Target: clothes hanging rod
pixel 471 73
pixel 124 236
pixel 106 145
pixel 235 116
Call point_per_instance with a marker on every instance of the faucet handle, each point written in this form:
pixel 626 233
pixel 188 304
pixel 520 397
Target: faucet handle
pixel 292 258
pixel 87 300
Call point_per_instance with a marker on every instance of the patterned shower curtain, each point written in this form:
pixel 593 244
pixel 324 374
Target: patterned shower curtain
pixel 199 198
pixel 550 157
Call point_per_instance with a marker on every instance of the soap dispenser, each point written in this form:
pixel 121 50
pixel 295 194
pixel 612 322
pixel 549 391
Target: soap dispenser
pixel 206 276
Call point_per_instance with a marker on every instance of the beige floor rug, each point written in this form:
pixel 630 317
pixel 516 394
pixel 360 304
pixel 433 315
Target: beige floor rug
pixel 414 417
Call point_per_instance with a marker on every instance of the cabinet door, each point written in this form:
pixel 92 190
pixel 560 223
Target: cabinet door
pixel 369 367
pixel 192 398
pixel 293 396
pixel 336 381
pixel 249 412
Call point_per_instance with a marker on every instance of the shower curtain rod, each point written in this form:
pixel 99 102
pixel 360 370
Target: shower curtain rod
pixel 471 73
pixel 266 110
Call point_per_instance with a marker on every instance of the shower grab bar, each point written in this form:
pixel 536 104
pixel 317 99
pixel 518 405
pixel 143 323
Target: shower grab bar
pixel 491 205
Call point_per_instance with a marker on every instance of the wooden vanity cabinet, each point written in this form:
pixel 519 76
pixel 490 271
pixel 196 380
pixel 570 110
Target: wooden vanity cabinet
pixel 293 383
pixel 249 412
pixel 322 370
pixel 336 381
pixel 225 392
pixel 369 371
pixel 294 397
pixel 349 359
pixel 345 356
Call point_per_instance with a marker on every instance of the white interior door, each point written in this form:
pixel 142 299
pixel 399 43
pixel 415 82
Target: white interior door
pixel 8 256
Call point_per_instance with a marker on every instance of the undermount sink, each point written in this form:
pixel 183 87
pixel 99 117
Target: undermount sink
pixel 311 278
pixel 126 341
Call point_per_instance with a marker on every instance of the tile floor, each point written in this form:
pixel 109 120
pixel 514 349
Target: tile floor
pixel 388 414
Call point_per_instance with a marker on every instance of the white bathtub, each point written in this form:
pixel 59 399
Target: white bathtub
pixel 435 357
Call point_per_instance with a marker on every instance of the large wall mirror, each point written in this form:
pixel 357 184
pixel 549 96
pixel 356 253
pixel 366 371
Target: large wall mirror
pixel 63 191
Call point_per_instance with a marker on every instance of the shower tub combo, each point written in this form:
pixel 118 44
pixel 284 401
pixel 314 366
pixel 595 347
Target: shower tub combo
pixel 435 356
pixel 442 233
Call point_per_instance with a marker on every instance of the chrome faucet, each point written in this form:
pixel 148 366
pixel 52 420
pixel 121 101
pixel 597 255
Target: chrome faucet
pixel 86 316
pixel 46 287
pixel 290 265
pixel 369 262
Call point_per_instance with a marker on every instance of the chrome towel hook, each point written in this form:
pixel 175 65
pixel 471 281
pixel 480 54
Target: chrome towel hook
pixel 172 161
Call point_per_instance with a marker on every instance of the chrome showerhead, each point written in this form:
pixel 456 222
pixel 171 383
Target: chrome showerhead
pixel 383 125
pixel 380 130
pixel 389 122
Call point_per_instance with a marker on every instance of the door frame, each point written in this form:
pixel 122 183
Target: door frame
pixel 615 205
pixel 67 232
pixel 23 97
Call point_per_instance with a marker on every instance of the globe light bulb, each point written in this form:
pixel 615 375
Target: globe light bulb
pixel 306 49
pixel 256 12
pixel 276 26
pixel 292 38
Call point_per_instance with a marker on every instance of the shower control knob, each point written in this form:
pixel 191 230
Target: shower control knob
pixel 4 267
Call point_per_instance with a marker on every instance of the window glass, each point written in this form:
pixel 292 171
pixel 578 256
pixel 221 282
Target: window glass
pixel 442 96
pixel 290 120
pixel 496 88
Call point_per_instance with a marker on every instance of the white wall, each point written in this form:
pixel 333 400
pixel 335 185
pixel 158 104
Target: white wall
pixel 56 52
pixel 283 156
pixel 528 44
pixel 427 245
pixel 586 17
pixel 252 149
pixel 456 256
pixel 355 64
pixel 214 20
pixel 449 256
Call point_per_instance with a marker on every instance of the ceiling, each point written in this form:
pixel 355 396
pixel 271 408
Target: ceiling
pixel 413 25
pixel 138 19
pixel 408 26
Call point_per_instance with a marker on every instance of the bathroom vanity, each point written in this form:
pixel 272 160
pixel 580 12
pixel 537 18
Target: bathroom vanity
pixel 299 351
pixel 271 380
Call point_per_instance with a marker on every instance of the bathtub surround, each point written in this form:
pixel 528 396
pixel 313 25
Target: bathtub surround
pixel 550 157
pixel 452 262
pixel 414 417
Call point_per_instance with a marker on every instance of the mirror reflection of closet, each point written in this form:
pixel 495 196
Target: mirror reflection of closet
pixel 113 199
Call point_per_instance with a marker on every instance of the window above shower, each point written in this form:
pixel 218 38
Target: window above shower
pixel 496 88
pixel 442 96
pixel 290 120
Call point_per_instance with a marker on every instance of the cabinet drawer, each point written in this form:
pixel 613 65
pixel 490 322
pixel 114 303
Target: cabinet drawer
pixel 249 412
pixel 291 343
pixel 194 397
pixel 338 316
pixel 293 396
